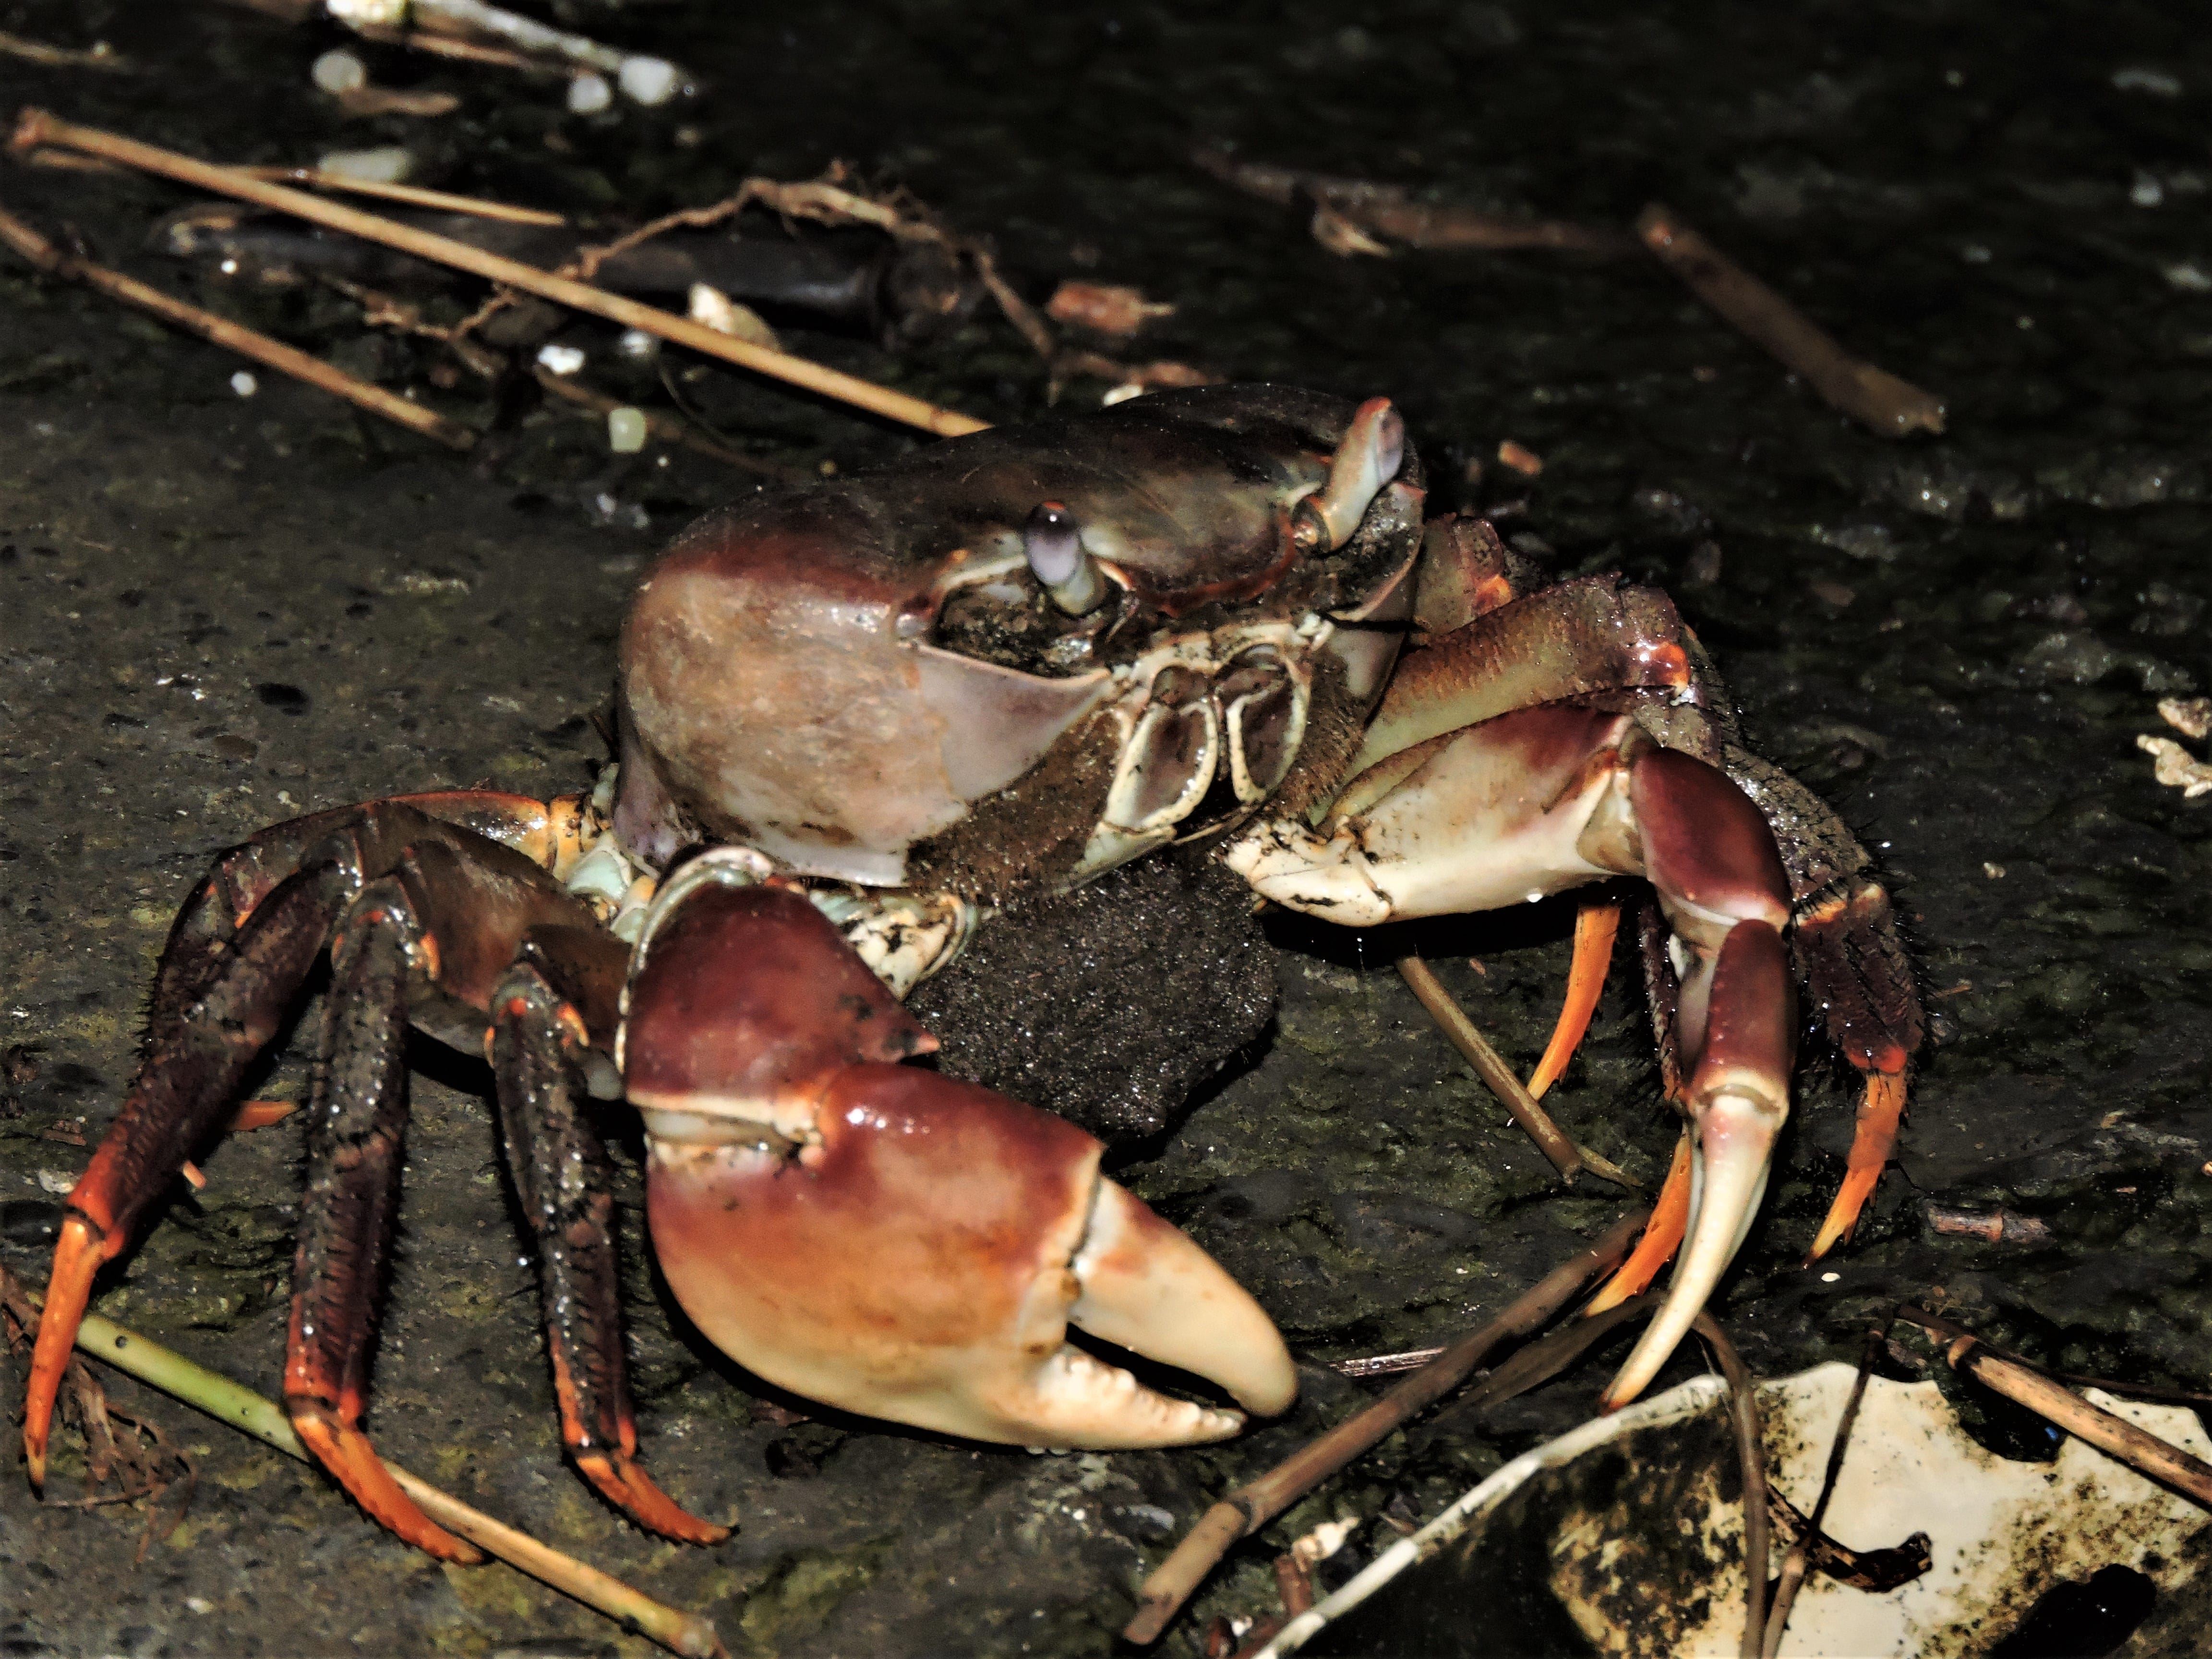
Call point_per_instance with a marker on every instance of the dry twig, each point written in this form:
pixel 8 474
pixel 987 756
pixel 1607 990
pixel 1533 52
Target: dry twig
pixel 1350 212
pixel 1886 405
pixel 413 195
pixel 2021 1383
pixel 38 51
pixel 1568 1158
pixel 234 337
pixel 1251 1506
pixel 1795 1563
pixel 37 127
pixel 1751 1453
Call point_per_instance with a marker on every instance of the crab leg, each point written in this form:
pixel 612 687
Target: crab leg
pixel 357 1120
pixel 182 1094
pixel 1595 927
pixel 564 1182
pixel 887 1239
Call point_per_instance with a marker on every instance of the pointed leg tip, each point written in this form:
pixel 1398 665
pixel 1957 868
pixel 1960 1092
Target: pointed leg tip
pixel 625 1483
pixel 345 1452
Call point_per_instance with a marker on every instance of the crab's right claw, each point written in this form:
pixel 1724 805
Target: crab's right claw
pixel 891 1241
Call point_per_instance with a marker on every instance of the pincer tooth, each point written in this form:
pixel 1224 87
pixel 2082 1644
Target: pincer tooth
pixel 1148 1287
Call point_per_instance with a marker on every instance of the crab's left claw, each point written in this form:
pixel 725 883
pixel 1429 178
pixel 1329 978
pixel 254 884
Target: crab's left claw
pixel 891 1241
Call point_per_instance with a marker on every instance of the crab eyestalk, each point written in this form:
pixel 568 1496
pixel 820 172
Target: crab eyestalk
pixel 1367 457
pixel 889 1240
pixel 1052 544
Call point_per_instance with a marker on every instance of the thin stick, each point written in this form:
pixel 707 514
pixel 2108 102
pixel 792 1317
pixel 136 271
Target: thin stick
pixel 38 51
pixel 1878 400
pixel 1568 1158
pixel 1751 1452
pixel 1794 1565
pixel 686 1633
pixel 464 51
pixel 415 195
pixel 233 336
pixel 1252 1506
pixel 37 126
pixel 2115 1436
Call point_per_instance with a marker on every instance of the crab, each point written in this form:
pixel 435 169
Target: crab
pixel 851 718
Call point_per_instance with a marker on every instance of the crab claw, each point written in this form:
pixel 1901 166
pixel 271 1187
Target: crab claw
pixel 890 1241
pixel 1739 1100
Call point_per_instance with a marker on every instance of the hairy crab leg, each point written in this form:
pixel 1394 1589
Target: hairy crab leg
pixel 355 1130
pixel 1858 971
pixel 563 1176
pixel 1595 927
pixel 886 1239
pixel 180 1096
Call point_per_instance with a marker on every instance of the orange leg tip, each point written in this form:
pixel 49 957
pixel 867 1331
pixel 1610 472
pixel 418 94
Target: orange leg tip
pixel 260 1114
pixel 1595 927
pixel 626 1487
pixel 1662 1236
pixel 353 1464
pixel 77 1256
pixel 1881 1111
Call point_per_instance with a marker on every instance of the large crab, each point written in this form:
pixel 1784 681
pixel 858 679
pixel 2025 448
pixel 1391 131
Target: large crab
pixel 854 715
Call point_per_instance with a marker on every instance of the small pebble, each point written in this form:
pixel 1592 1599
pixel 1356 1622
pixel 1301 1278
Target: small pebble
pixel 60 1182
pixel 2155 82
pixel 637 345
pixel 626 430
pixel 560 358
pixel 647 80
pixel 387 164
pixel 589 94
pixel 339 71
pixel 244 384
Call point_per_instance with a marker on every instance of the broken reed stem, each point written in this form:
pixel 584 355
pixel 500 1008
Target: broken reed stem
pixel 2114 1436
pixel 413 195
pixel 1795 1563
pixel 1252 1506
pixel 37 126
pixel 232 337
pixel 1568 1158
pixel 1886 405
pixel 1751 1453
pixel 686 1633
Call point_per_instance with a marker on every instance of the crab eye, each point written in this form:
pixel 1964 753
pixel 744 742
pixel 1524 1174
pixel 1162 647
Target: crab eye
pixel 1055 554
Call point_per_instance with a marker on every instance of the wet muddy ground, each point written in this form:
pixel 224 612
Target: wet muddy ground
pixel 216 611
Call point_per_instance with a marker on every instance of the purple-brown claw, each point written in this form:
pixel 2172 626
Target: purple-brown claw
pixel 1739 1099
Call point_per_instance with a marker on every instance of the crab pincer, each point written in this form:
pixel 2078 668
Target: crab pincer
pixel 889 1240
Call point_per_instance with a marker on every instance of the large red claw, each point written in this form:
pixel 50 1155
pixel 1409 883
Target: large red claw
pixel 923 1260
pixel 888 1240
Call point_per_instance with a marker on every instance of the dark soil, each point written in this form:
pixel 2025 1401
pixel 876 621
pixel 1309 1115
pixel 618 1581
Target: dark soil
pixel 217 610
